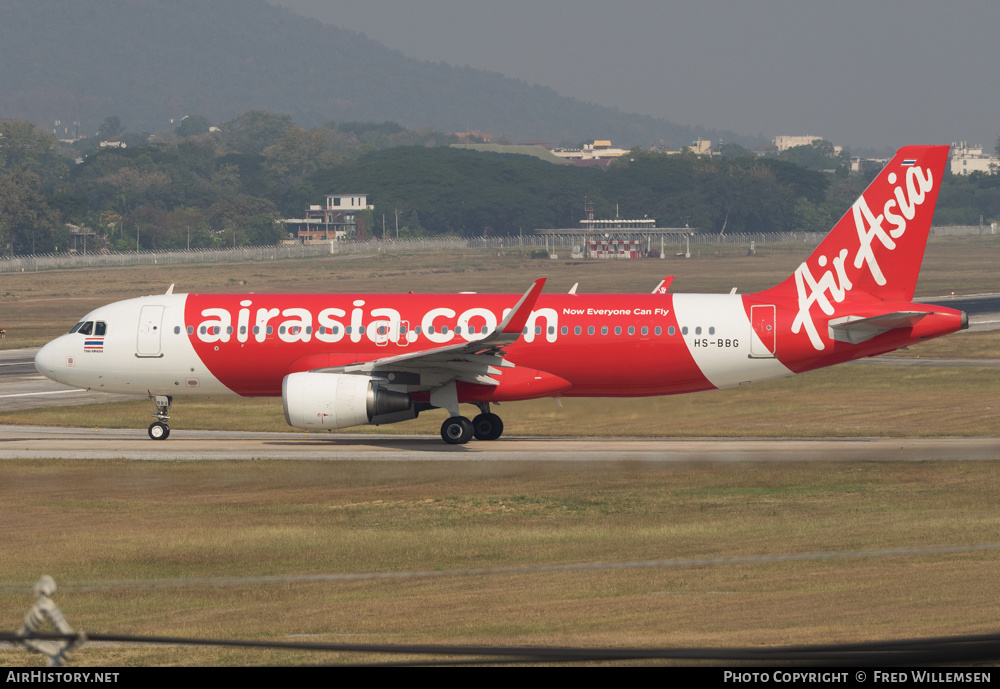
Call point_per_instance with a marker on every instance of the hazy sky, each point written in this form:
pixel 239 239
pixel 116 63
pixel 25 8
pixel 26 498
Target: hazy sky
pixel 865 73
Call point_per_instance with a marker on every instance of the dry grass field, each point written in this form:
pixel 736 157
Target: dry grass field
pixel 120 525
pixel 117 523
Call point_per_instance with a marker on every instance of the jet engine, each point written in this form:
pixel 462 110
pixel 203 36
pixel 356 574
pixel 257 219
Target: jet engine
pixel 323 401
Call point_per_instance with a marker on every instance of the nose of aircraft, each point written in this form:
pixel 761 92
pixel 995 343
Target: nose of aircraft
pixel 47 359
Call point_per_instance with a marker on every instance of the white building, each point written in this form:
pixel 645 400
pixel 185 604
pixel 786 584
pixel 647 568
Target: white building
pixel 348 203
pixel 967 159
pixel 785 142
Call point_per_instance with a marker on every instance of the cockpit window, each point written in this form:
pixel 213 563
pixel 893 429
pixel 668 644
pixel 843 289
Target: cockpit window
pixel 96 329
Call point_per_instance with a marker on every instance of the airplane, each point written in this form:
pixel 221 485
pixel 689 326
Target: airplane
pixel 344 360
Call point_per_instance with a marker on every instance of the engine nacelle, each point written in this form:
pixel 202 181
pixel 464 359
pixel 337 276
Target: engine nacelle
pixel 324 401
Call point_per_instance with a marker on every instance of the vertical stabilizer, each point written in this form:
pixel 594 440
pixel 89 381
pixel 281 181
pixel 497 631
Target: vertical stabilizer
pixel 878 245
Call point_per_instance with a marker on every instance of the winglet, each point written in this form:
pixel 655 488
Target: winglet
pixel 664 285
pixel 170 290
pixel 518 316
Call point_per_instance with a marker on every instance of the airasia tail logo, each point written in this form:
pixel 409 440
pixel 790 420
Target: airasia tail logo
pixel 834 283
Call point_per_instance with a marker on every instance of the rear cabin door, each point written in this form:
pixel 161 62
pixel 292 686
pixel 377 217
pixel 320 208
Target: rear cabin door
pixel 762 320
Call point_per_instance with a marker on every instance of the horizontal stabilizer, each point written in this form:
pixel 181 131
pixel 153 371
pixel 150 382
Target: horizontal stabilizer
pixel 856 329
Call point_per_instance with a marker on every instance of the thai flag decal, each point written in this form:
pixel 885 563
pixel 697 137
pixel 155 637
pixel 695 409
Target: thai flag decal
pixel 909 161
pixel 93 344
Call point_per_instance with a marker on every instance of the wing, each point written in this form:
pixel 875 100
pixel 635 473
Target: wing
pixel 473 362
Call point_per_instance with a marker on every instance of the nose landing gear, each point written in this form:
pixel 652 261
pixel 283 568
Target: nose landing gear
pixel 159 430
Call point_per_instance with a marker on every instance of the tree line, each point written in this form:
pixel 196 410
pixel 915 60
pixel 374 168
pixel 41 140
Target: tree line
pixel 205 186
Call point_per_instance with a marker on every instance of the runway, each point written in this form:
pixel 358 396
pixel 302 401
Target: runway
pixel 37 442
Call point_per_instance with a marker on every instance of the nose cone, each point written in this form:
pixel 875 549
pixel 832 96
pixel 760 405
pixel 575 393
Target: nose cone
pixel 47 360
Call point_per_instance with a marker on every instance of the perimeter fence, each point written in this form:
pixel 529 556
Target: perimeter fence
pixel 564 246
pixel 964 230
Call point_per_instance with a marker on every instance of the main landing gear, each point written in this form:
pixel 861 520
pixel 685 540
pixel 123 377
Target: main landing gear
pixel 458 430
pixel 159 430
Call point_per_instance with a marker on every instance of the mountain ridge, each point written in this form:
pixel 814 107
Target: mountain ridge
pixel 148 61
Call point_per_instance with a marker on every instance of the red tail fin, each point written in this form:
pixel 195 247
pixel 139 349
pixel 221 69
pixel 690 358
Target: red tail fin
pixel 878 245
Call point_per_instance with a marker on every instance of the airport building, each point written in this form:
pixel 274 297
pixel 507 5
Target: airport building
pixel 617 238
pixel 337 219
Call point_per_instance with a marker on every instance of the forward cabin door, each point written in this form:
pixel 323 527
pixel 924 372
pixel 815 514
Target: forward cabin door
pixel 148 341
pixel 764 345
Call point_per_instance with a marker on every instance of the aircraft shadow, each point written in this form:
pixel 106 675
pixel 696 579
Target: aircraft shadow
pixel 402 444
